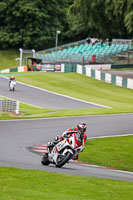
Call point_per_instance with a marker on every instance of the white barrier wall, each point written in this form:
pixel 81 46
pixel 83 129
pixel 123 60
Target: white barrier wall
pixel 107 78
pixel 118 81
pixel 88 71
pixel 62 67
pixel 79 69
pixel 5 71
pixel 130 83
pixel 98 75
pixel 21 69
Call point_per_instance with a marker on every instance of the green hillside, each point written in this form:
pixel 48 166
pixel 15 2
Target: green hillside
pixel 7 59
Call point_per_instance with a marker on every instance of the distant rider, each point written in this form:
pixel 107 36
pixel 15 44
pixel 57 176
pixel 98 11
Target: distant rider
pixel 79 131
pixel 11 79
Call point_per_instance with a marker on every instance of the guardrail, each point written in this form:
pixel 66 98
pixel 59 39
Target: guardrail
pixel 9 106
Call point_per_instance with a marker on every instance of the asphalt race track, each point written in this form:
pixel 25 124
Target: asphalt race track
pixel 17 136
pixel 41 98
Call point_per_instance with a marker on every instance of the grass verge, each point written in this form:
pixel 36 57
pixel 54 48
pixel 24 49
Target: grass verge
pixel 81 87
pixel 27 111
pixel 85 88
pixel 32 184
pixel 113 152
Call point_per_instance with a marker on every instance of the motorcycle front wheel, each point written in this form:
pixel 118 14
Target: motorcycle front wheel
pixel 64 160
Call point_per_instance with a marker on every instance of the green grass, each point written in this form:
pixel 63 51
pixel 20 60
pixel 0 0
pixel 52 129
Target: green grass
pixel 7 59
pixel 85 88
pixel 26 111
pixel 31 110
pixel 81 87
pixel 115 152
pixel 21 184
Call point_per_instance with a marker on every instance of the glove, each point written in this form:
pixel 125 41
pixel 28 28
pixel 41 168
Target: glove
pixel 56 138
pixel 50 144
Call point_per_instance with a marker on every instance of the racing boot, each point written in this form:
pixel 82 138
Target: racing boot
pixel 75 157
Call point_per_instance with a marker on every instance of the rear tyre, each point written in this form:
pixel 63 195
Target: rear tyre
pixel 64 160
pixel 45 160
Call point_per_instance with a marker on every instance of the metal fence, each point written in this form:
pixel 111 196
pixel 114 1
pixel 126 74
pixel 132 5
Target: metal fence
pixel 66 46
pixel 110 54
pixel 9 106
pixel 122 41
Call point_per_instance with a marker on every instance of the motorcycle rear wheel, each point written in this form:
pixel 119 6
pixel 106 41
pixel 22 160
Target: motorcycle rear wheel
pixel 64 160
pixel 45 160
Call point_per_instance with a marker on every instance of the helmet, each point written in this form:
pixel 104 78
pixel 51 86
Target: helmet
pixel 12 77
pixel 81 127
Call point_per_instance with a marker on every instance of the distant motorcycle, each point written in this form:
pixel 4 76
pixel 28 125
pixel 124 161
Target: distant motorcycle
pixel 62 152
pixel 12 85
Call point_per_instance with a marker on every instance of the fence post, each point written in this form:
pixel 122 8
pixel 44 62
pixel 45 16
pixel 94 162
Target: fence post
pixel 21 54
pixel 17 107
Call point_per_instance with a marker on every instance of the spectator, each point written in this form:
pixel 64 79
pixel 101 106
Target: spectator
pixel 34 62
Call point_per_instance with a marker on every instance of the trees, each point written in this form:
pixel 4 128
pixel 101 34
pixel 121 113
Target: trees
pixel 129 17
pixel 30 24
pixel 33 23
pixel 102 18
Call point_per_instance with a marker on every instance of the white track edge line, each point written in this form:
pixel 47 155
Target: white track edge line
pixel 97 166
pixel 61 94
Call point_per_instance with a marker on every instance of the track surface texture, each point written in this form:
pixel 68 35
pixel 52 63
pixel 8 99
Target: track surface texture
pixel 17 136
pixel 42 98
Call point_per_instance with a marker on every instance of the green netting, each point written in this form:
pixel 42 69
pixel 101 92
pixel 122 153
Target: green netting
pixel 14 70
pixel 102 76
pixel 70 68
pixel 93 73
pixel 113 79
pixel 124 82
pixel 84 70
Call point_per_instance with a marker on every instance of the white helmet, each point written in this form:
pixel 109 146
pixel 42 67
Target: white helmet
pixel 81 127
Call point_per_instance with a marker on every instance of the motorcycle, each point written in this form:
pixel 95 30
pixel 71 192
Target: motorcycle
pixel 62 152
pixel 12 85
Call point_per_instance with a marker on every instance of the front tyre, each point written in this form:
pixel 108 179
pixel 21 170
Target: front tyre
pixel 64 160
pixel 45 160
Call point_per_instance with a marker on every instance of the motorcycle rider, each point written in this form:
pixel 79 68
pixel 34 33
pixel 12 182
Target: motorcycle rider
pixel 79 132
pixel 11 79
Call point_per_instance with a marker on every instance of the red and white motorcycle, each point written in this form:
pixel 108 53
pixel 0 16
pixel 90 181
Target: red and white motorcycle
pixel 62 152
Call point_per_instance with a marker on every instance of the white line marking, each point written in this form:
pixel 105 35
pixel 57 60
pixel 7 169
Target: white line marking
pixel 109 136
pixel 96 166
pixel 61 94
pixel 86 164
